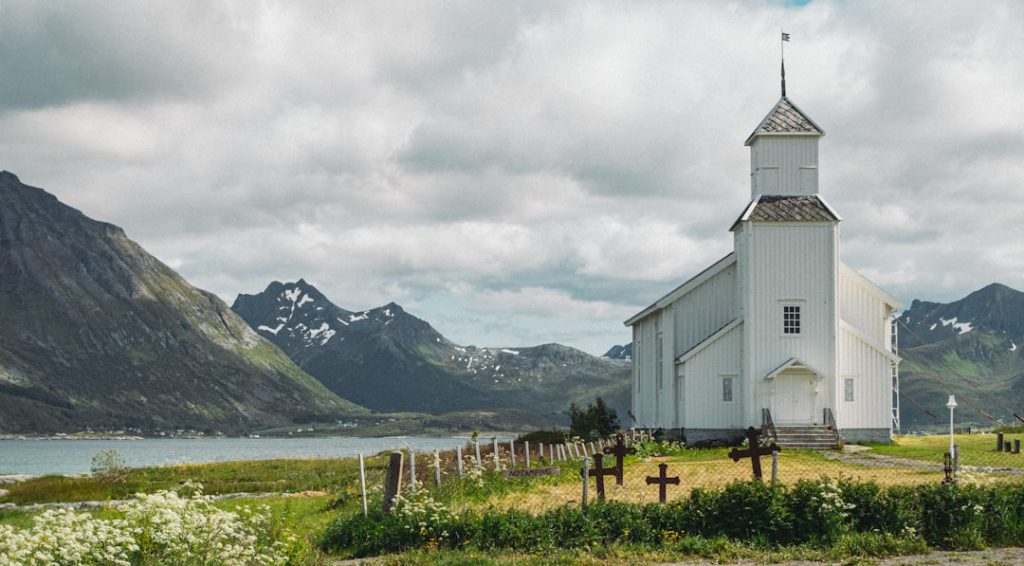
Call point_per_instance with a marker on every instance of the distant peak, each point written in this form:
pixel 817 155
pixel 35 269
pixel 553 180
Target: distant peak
pixel 5 174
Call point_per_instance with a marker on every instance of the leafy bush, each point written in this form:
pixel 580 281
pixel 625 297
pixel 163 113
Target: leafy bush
pixel 844 516
pixel 109 466
pixel 598 420
pixel 651 448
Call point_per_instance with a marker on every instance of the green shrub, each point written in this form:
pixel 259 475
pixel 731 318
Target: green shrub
pixel 844 517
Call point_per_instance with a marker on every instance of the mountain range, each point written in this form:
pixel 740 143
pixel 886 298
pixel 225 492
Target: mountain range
pixel 388 360
pixel 96 333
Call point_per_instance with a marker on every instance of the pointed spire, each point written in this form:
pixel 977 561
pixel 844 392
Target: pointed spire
pixel 783 78
pixel 782 57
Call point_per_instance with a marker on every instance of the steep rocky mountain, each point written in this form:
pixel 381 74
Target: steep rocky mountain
pixel 96 333
pixel 971 348
pixel 388 360
pixel 623 352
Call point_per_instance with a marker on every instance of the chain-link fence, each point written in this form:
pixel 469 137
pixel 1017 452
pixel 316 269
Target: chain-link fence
pixel 535 476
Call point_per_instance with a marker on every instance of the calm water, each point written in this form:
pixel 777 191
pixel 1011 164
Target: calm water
pixel 62 456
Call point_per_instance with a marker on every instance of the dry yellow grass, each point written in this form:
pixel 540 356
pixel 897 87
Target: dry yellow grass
pixel 793 466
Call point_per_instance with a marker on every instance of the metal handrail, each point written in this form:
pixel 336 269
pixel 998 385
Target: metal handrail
pixel 768 425
pixel 829 420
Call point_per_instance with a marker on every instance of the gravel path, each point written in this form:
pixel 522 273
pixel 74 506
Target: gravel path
pixel 870 460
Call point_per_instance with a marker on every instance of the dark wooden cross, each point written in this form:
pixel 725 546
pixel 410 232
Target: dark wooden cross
pixel 598 472
pixel 662 480
pixel 620 452
pixel 754 452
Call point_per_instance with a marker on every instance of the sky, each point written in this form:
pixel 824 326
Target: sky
pixel 516 173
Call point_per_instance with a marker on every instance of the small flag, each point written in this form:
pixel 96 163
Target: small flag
pixel 785 36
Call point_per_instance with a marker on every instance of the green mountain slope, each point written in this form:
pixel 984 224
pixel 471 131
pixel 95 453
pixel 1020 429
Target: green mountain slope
pixel 96 333
pixel 971 348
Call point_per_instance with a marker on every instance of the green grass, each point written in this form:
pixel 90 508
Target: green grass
pixel 975 449
pixel 266 476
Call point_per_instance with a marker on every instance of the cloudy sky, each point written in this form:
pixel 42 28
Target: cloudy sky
pixel 515 172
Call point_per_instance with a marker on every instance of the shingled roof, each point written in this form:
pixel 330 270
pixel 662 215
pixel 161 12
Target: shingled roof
pixel 785 119
pixel 788 208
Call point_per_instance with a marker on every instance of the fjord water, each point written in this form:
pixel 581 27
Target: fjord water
pixel 65 456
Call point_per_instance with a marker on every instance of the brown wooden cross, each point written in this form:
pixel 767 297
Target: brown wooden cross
pixel 662 480
pixel 598 472
pixel 754 452
pixel 620 452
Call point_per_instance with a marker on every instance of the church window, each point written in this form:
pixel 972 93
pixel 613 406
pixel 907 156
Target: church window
pixel 791 319
pixel 727 389
pixel 848 389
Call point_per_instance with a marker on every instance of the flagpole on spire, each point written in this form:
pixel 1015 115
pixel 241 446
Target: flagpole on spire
pixel 782 45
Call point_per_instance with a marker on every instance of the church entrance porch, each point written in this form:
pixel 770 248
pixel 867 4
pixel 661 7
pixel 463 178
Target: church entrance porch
pixel 793 393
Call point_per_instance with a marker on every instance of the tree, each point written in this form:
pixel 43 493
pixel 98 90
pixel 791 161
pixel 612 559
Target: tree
pixel 598 420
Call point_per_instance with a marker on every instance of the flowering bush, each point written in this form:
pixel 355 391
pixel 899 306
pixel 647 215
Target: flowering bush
pixel 161 528
pixel 423 517
pixel 819 510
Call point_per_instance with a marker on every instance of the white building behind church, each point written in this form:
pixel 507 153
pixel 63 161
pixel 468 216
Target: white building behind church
pixel 780 331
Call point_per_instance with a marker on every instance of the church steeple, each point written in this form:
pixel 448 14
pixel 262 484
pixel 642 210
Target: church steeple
pixel 784 152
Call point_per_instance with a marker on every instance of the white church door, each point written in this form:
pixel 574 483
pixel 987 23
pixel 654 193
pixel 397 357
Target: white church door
pixel 793 397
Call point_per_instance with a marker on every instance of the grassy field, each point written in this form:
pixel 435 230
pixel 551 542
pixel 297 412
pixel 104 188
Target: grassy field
pixel 268 476
pixel 305 495
pixel 975 449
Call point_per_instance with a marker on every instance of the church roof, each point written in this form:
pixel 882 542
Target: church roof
pixel 788 208
pixel 785 119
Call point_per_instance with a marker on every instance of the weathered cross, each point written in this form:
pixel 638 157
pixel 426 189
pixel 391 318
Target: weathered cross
pixel 662 480
pixel 598 472
pixel 754 452
pixel 620 451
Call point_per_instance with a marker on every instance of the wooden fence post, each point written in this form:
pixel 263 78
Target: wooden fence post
pixel 393 483
pixel 586 479
pixel 479 460
pixel 526 453
pixel 437 469
pixel 458 459
pixel 497 462
pixel 412 471
pixel 512 452
pixel 362 481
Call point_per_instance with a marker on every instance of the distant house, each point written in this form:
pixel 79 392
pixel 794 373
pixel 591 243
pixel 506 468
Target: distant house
pixel 780 330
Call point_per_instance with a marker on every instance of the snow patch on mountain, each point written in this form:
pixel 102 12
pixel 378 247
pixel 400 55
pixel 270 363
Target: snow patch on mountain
pixel 960 327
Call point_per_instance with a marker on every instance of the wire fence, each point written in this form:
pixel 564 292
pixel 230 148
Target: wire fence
pixel 536 477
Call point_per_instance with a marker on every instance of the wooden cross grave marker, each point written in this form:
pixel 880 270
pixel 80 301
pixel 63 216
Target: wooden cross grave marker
pixel 620 452
pixel 754 452
pixel 598 472
pixel 662 480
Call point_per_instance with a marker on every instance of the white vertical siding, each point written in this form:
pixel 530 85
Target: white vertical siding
pixel 792 160
pixel 704 407
pixel 864 309
pixel 644 385
pixel 667 395
pixel 705 309
pixel 872 385
pixel 790 263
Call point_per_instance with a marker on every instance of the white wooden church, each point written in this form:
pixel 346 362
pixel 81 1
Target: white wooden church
pixel 780 333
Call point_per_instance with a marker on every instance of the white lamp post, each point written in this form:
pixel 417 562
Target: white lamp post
pixel 951 405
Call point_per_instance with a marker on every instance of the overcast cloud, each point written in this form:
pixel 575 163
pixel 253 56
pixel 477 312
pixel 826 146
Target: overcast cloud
pixel 515 173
